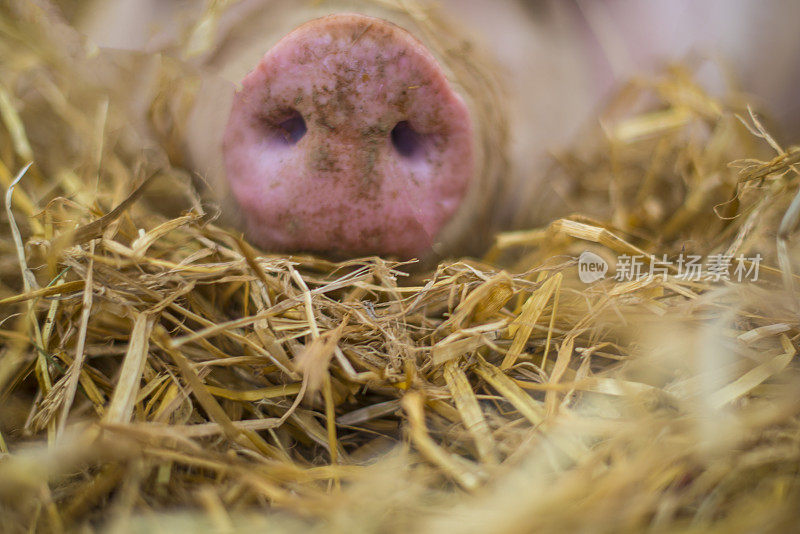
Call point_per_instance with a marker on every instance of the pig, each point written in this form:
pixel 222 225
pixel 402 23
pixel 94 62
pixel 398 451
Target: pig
pixel 415 178
pixel 553 63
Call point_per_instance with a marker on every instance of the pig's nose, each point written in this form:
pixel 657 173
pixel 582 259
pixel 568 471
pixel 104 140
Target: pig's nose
pixel 347 139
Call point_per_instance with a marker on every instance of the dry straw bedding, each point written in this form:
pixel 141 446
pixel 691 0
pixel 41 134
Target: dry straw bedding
pixel 156 372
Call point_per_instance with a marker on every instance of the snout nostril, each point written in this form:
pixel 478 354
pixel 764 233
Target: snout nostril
pixel 406 140
pixel 293 128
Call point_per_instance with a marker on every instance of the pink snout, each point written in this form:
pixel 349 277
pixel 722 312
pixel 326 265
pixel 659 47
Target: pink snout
pixel 347 139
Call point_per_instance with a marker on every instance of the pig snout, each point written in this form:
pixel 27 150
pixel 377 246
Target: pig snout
pixel 347 139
